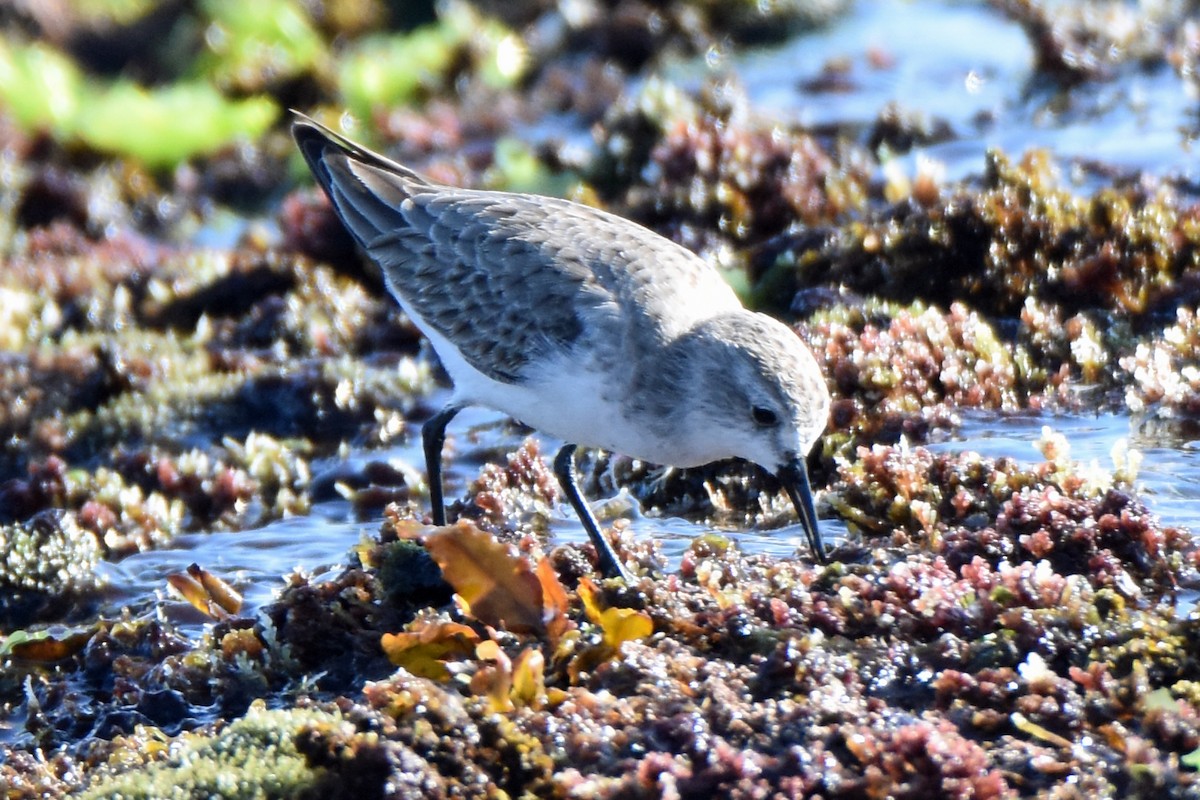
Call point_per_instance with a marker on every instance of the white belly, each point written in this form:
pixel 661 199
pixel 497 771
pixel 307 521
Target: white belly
pixel 566 402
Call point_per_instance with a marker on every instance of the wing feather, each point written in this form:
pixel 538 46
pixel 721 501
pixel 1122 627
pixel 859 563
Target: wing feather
pixel 514 281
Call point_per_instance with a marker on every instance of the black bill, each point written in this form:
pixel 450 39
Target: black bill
pixel 794 478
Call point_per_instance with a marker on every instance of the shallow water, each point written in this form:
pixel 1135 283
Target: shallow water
pixel 1169 477
pixel 252 561
pixel 319 544
pixel 969 66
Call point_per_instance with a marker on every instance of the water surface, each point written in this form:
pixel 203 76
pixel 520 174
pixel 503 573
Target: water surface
pixel 320 544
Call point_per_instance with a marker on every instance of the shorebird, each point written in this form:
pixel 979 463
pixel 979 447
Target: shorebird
pixel 581 324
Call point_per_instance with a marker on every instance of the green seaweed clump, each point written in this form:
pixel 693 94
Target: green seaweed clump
pixel 251 45
pixel 254 757
pixel 46 564
pixel 39 86
pixel 381 72
pixel 159 127
pixel 162 127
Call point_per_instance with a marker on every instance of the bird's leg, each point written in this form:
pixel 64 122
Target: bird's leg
pixel 564 468
pixel 433 435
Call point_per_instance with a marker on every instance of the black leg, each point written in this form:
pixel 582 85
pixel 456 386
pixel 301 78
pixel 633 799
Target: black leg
pixel 564 468
pixel 433 434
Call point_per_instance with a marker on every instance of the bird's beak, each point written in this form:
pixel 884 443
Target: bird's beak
pixel 794 477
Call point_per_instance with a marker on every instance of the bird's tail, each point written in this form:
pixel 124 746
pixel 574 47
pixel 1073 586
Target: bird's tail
pixel 365 188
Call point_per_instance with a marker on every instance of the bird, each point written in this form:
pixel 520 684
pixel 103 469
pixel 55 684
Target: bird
pixel 583 325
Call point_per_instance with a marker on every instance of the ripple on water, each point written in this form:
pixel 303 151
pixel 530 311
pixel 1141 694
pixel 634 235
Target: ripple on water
pixel 253 562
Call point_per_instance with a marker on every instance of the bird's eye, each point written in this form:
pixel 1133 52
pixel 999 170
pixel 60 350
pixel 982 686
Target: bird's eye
pixel 764 416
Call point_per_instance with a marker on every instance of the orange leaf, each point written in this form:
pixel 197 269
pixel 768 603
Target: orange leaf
pixel 494 679
pixel 555 598
pixel 498 588
pixel 422 649
pixel 208 593
pixel 588 593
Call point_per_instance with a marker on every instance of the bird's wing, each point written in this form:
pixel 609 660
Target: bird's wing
pixel 509 279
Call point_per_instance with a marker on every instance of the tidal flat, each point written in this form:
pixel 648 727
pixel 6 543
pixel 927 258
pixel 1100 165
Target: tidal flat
pixel 218 576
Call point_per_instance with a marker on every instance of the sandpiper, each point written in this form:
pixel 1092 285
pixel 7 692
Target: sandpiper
pixel 581 324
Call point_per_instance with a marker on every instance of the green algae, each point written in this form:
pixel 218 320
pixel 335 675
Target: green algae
pixel 254 758
pixel 383 71
pixel 516 167
pixel 253 45
pixel 120 12
pixel 40 87
pixel 407 574
pixel 159 127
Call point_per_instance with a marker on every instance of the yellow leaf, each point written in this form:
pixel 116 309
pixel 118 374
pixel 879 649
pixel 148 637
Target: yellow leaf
pixel 422 650
pixel 365 550
pixel 529 679
pixel 1031 728
pixel 625 625
pixel 555 598
pixel 498 588
pixel 618 624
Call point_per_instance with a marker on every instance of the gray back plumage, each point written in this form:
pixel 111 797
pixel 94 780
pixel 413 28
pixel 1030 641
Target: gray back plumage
pixel 543 272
